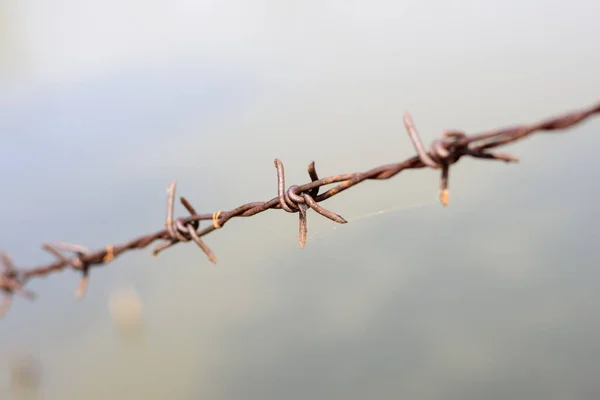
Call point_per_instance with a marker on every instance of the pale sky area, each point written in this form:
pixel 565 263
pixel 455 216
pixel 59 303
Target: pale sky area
pixel 103 104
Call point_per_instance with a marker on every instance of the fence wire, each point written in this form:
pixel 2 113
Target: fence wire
pixel 441 154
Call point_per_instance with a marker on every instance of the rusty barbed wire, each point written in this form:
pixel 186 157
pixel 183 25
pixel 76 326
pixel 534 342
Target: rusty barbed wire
pixel 443 152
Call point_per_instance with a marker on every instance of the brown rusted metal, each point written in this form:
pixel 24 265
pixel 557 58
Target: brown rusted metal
pixel 442 153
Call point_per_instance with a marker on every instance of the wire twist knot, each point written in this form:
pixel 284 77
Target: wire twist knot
pixel 180 230
pixel 292 201
pixel 11 282
pixel 446 151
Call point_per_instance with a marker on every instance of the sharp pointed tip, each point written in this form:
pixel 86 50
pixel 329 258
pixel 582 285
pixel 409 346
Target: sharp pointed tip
pixel 444 197
pixel 341 220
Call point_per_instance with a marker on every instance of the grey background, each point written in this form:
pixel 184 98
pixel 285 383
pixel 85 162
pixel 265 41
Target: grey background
pixel 103 104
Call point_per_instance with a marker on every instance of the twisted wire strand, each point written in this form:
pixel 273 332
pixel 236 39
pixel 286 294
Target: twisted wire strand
pixel 442 153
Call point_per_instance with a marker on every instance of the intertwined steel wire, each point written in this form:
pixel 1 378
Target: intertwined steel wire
pixel 442 153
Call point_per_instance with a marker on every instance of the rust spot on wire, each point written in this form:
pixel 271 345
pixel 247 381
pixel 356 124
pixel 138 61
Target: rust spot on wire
pixel 441 155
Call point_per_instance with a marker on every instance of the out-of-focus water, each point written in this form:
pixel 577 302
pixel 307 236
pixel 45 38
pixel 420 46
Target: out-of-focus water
pixel 495 296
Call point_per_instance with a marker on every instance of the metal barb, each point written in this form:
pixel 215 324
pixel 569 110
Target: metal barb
pixel 442 154
pixel 179 230
pixel 11 282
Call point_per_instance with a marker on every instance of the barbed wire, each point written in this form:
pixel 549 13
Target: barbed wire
pixel 442 153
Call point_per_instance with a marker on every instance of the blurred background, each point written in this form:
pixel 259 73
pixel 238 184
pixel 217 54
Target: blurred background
pixel 103 104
